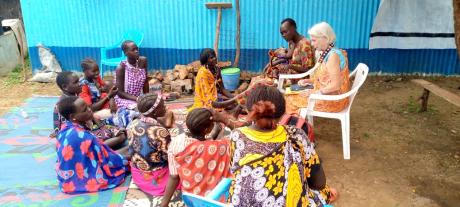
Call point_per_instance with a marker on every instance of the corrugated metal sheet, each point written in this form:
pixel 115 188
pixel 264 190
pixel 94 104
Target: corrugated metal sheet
pixel 176 31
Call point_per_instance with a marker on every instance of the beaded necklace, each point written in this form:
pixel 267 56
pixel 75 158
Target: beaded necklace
pixel 324 54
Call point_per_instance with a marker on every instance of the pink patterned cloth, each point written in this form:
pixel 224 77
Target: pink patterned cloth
pixel 153 182
pixel 134 83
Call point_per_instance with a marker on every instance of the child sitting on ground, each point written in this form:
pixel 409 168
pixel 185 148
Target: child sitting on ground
pixel 69 85
pixel 108 114
pixel 84 163
pixel 196 163
pixel 92 86
pixel 131 81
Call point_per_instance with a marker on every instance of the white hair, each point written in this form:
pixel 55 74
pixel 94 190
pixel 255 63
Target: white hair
pixel 323 29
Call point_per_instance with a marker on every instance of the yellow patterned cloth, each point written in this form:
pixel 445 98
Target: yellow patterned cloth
pixel 322 79
pixel 274 173
pixel 205 89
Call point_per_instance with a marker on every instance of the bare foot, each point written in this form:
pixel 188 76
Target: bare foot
pixel 334 195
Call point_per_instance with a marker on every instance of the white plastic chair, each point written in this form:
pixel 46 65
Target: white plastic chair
pixel 360 74
pixel 283 77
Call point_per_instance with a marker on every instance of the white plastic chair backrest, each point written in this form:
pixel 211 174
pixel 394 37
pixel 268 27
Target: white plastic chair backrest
pixel 360 74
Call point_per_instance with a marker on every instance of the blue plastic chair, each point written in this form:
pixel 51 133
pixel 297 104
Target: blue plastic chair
pixel 133 35
pixel 210 200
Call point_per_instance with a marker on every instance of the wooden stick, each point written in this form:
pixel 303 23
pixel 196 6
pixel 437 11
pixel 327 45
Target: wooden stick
pixel 216 40
pixel 424 99
pixel 238 24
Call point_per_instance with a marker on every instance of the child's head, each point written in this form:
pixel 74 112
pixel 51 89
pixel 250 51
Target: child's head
pixel 75 109
pixel 90 68
pixel 108 84
pixel 199 122
pixel 266 105
pixel 281 52
pixel 130 49
pixel 151 105
pixel 208 57
pixel 68 82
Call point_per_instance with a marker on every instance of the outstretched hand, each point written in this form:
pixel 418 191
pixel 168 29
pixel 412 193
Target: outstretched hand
pixel 113 92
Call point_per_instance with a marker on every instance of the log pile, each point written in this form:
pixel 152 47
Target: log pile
pixel 181 79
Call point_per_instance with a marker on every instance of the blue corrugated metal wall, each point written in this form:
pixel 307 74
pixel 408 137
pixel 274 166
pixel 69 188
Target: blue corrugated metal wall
pixel 176 31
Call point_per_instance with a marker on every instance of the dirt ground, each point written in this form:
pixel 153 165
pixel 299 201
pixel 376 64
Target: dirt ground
pixel 399 157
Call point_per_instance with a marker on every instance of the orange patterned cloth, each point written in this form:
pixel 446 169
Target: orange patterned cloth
pixel 321 79
pixel 205 89
pixel 203 164
pixel 303 54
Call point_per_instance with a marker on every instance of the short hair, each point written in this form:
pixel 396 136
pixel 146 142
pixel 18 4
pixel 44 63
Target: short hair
pixel 206 54
pixel 290 21
pixel 146 102
pixel 198 120
pixel 323 29
pixel 125 43
pixel 63 78
pixel 87 63
pixel 263 94
pixel 66 106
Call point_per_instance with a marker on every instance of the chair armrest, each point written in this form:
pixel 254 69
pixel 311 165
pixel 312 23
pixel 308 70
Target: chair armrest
pixel 330 97
pixel 220 189
pixel 294 76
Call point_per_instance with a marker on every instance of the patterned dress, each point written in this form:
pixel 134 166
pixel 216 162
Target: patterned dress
pixel 322 79
pixel 303 55
pixel 205 89
pixel 200 164
pixel 85 164
pixel 101 130
pixel 148 145
pixel 134 83
pixel 91 91
pixel 272 168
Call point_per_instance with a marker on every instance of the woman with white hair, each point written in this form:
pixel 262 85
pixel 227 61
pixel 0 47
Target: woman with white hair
pixel 330 78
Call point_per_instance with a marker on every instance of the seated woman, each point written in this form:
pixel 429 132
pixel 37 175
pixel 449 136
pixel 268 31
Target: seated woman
pixel 93 89
pixel 84 163
pixel 331 78
pixel 274 165
pixel 299 56
pixel 148 140
pixel 69 85
pixel 208 82
pixel 131 81
pixel 194 162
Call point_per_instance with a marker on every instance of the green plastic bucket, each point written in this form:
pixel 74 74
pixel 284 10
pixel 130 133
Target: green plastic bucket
pixel 231 78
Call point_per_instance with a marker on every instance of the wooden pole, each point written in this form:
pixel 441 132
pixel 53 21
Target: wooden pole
pixel 456 4
pixel 238 24
pixel 216 40
pixel 424 99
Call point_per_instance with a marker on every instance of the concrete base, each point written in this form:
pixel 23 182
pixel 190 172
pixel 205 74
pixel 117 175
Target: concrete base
pixel 9 53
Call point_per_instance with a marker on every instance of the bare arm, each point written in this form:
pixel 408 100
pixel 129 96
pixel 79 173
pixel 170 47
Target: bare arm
pixel 297 68
pixel 120 74
pixel 115 141
pixel 333 70
pixel 170 188
pixel 98 105
pixel 317 179
pixel 143 61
